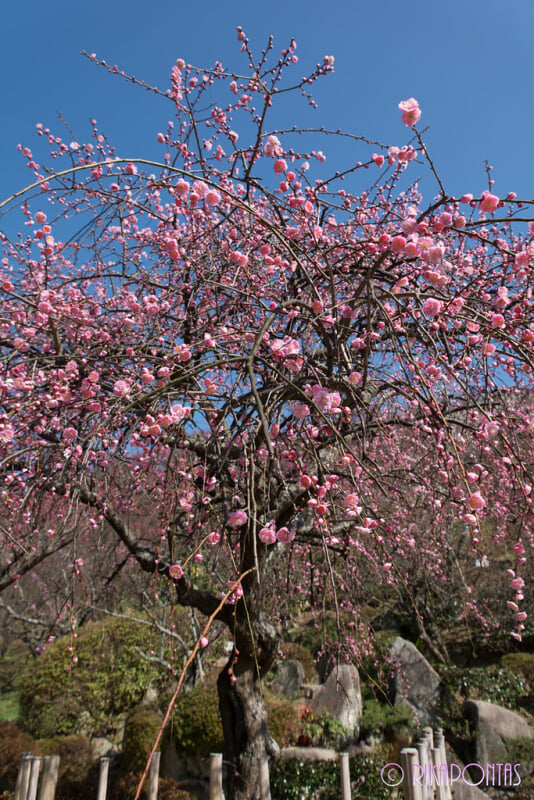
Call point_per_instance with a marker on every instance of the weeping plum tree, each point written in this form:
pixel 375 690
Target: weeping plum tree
pixel 299 382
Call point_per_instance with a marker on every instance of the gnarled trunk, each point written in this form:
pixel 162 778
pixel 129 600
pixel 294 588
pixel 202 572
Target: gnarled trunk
pixel 244 717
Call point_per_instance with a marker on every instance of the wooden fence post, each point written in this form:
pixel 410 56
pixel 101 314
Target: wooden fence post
pixel 34 777
pixel 216 776
pixel 409 759
pixel 23 777
pixel 103 778
pixel 153 776
pixel 345 776
pixel 49 774
pixel 423 748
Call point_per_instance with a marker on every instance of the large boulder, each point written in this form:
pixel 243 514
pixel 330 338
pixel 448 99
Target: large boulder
pixel 341 696
pixel 289 679
pixel 496 730
pixel 415 682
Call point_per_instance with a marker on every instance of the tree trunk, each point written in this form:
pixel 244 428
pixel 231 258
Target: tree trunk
pixel 244 717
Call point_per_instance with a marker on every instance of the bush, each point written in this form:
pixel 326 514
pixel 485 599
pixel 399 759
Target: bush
pixel 385 720
pixel 521 664
pixel 13 743
pixel 77 778
pixel 141 730
pixel 493 684
pixel 324 730
pixel 195 723
pixel 320 780
pixel 109 679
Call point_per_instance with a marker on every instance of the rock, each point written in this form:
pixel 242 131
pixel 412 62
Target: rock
pixel 308 753
pixel 415 683
pixel 462 791
pixel 289 679
pixel 85 725
pixel 151 697
pixel 495 731
pixel 341 696
pixel 100 746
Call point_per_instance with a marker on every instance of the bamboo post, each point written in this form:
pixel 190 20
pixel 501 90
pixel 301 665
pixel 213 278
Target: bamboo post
pixel 49 774
pixel 345 776
pixel 103 778
pixel 34 777
pixel 440 786
pixel 409 759
pixel 265 786
pixel 216 776
pixel 153 776
pixel 23 777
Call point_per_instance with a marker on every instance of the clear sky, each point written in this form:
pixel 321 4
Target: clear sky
pixel 470 64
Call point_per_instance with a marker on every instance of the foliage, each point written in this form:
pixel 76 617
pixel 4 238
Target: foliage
pixel 284 718
pixel 13 743
pixel 521 664
pixel 292 779
pixel 195 725
pixel 384 719
pixel 492 683
pixel 78 774
pixel 140 733
pixel 324 730
pixel 108 679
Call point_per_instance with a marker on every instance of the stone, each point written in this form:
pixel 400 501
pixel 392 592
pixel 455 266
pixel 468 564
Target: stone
pixel 151 697
pixel 100 747
pixel 495 731
pixel 462 791
pixel 308 753
pixel 415 682
pixel 341 697
pixel 289 679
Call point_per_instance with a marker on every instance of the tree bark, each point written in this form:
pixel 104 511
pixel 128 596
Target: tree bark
pixel 244 717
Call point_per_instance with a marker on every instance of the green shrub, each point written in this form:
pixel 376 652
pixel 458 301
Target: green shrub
pixel 13 743
pixel 320 780
pixel 196 723
pixel 384 719
pixel 284 718
pixel 521 664
pixel 324 730
pixel 76 777
pixel 493 684
pixel 109 679
pixel 141 730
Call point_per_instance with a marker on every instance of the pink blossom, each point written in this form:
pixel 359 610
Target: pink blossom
pixel 488 202
pixel 521 616
pixel 476 502
pixel 267 535
pixel 284 535
pixel 40 218
pixel 411 113
pixel 378 159
pixel 301 411
pixel 279 166
pixel 176 572
pixel 212 198
pixel 237 518
pixel 121 388
pixel 131 169
pixel 69 434
pixel 214 537
pixel 181 188
pixel 497 321
pixel 517 584
pixel 204 641
pixel 432 307
pixel 273 146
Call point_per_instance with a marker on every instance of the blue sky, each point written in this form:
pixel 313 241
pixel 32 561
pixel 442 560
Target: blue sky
pixel 470 63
